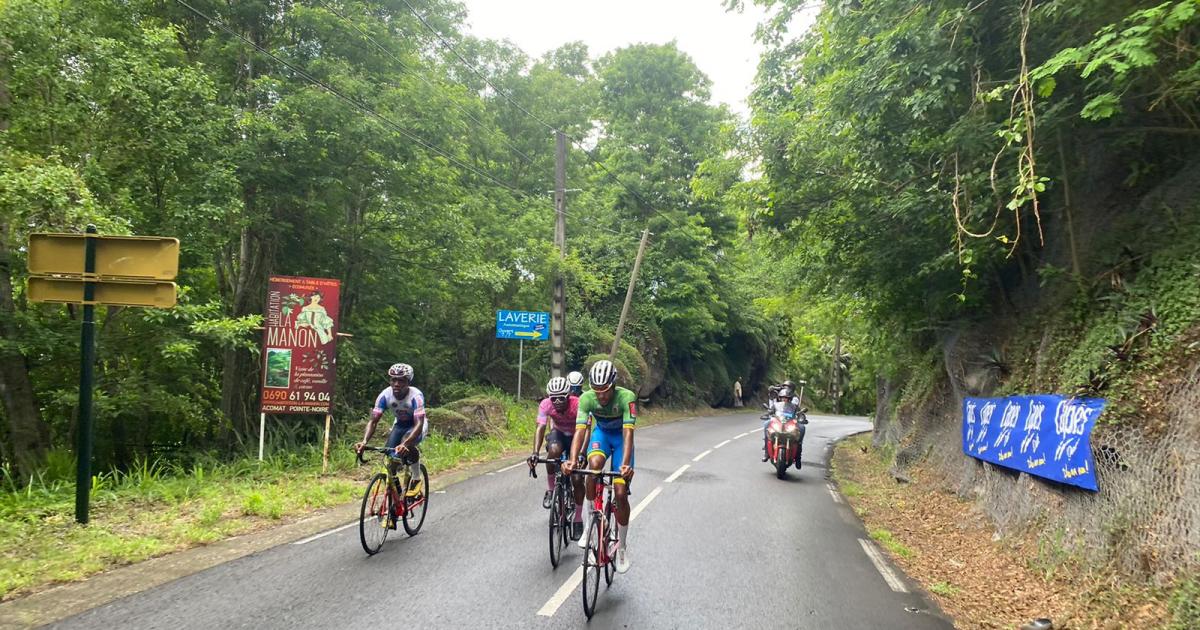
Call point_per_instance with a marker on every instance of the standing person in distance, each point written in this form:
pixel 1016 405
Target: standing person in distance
pixel 615 412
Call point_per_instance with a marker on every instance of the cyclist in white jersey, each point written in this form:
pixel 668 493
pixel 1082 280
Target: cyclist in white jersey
pixel 410 427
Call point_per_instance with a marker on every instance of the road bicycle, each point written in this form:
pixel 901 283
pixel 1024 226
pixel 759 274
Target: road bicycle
pixel 600 554
pixel 385 501
pixel 562 507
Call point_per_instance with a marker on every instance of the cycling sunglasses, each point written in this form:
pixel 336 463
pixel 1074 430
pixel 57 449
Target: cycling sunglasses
pixel 601 390
pixel 558 399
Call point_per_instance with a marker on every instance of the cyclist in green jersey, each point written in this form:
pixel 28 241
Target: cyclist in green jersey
pixel 615 412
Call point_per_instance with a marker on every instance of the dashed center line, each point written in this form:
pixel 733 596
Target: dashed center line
pixel 742 435
pixel 675 475
pixel 556 601
pixel 722 444
pixel 508 468
pixel 701 455
pixel 637 509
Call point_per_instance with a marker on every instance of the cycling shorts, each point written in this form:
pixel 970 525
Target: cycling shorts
pixel 563 440
pixel 610 444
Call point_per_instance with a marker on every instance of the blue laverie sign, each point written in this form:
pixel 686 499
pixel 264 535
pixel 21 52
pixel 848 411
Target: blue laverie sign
pixel 526 325
pixel 1043 435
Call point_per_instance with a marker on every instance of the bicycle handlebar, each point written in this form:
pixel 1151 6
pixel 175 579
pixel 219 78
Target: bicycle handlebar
pixel 598 473
pixel 374 449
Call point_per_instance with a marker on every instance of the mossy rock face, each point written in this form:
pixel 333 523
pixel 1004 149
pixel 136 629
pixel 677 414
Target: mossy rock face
pixel 453 424
pixel 484 414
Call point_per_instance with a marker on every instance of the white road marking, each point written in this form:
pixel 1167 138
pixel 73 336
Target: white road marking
pixel 722 444
pixel 552 605
pixel 882 567
pixel 490 474
pixel 508 468
pixel 675 475
pixel 325 533
pixel 837 498
pixel 439 492
pixel 742 435
pixel 701 455
pixel 556 601
pixel 637 509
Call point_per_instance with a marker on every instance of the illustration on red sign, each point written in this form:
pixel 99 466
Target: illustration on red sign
pixel 300 345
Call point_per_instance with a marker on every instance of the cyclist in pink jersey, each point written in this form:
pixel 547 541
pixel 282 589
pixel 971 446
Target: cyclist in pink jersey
pixel 558 410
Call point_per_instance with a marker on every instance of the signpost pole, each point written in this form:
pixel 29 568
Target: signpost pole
pixel 520 366
pixel 325 456
pixel 83 466
pixel 262 432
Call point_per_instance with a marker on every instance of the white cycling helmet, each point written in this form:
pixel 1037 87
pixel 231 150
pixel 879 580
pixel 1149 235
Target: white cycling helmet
pixel 602 374
pixel 401 370
pixel 557 386
pixel 575 379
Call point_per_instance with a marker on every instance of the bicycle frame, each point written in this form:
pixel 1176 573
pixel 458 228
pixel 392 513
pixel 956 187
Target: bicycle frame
pixel 393 483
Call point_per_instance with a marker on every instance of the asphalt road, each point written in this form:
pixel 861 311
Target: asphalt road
pixel 724 544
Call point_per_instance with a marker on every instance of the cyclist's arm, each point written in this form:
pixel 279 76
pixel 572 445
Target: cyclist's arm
pixel 627 423
pixel 376 414
pixel 540 434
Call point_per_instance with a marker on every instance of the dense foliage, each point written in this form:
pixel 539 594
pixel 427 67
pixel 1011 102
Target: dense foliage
pixel 346 139
pixel 945 166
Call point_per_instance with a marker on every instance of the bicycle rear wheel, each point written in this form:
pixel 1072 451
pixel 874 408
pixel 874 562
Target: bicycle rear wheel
pixel 556 509
pixel 373 515
pixel 415 508
pixel 591 567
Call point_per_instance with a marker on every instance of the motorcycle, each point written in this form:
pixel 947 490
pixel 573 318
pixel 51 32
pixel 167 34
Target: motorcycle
pixel 783 440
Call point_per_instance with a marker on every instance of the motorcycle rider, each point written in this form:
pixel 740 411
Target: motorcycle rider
pixel 785 402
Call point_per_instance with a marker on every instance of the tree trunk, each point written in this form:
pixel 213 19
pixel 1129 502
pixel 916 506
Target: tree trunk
pixel 28 433
pixel 236 387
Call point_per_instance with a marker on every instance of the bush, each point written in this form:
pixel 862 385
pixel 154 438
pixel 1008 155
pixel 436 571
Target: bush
pixel 1185 605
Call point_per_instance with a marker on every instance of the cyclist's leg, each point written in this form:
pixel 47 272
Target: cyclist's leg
pixel 620 488
pixel 597 453
pixel 554 450
pixel 577 486
pixel 413 459
pixel 621 492
pixel 393 440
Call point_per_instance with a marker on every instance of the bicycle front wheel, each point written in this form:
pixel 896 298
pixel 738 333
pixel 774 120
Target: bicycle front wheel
pixel 556 511
pixel 415 507
pixel 591 567
pixel 373 516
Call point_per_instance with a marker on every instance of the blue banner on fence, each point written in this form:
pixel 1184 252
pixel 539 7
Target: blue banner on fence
pixel 1044 435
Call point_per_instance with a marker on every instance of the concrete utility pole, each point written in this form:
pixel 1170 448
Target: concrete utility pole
pixel 637 265
pixel 558 316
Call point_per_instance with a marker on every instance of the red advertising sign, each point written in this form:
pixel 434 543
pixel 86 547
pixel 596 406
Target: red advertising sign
pixel 299 345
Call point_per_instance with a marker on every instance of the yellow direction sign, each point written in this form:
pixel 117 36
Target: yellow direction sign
pixel 142 257
pixel 64 290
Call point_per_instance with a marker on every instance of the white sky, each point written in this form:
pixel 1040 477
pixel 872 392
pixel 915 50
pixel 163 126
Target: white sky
pixel 720 43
